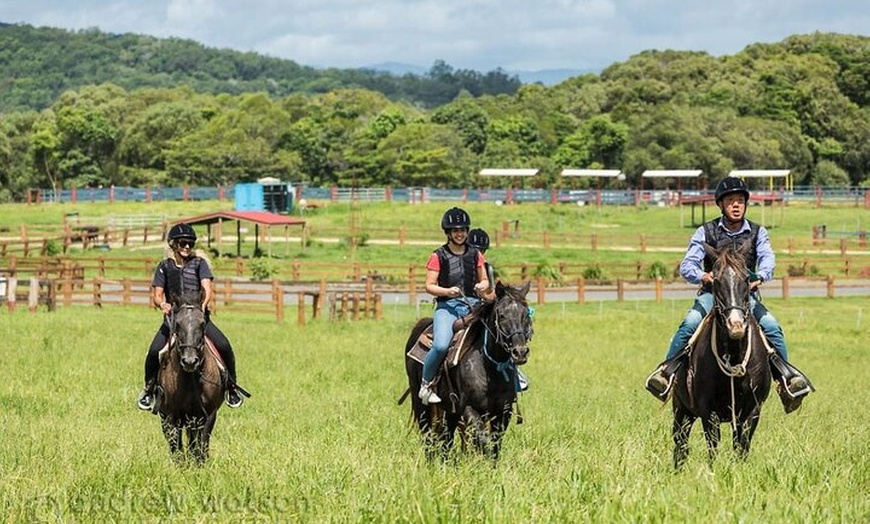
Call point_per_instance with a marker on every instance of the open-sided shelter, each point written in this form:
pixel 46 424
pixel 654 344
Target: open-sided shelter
pixel 258 218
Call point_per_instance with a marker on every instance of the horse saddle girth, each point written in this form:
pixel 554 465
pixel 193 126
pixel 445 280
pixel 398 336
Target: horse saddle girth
pixel 164 353
pixel 455 351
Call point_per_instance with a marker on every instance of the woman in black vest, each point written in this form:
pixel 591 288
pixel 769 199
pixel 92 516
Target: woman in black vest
pixel 184 271
pixel 455 275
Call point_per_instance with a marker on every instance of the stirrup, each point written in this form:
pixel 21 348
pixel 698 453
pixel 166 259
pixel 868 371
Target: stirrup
pixel 145 402
pixel 234 399
pixel 663 395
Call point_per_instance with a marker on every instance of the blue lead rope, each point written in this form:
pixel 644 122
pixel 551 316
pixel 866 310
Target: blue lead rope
pixel 501 367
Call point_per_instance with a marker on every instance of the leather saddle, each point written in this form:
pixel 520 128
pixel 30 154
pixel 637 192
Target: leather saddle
pixel 455 351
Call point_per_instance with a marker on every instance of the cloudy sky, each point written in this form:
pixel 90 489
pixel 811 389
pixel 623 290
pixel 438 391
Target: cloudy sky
pixel 516 35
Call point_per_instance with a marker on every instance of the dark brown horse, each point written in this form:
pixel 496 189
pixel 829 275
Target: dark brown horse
pixel 479 392
pixel 191 384
pixel 727 377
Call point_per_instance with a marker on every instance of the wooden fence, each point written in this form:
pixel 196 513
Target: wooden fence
pixel 354 301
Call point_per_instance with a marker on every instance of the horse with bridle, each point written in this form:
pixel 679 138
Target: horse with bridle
pixel 727 376
pixel 190 384
pixel 478 378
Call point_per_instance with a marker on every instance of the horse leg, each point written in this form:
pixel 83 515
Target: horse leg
pixel 172 433
pixel 683 421
pixel 498 427
pixel 743 436
pixel 712 435
pixel 477 426
pixel 200 432
pixel 451 422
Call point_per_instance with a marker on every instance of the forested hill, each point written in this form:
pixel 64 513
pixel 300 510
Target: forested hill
pixel 38 64
pixel 800 104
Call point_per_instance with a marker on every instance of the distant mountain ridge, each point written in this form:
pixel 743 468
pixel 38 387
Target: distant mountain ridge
pixel 547 77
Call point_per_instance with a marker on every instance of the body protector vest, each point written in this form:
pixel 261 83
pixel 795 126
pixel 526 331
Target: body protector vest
pixel 183 284
pixel 457 270
pixel 717 238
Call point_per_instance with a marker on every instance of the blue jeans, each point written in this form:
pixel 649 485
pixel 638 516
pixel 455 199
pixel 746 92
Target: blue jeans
pixel 704 303
pixel 446 313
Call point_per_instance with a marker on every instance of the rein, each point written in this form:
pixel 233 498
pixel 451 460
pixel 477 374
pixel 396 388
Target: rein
pixel 730 371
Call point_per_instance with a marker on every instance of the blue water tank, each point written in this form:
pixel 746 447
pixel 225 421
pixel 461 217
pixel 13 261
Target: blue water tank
pixel 272 197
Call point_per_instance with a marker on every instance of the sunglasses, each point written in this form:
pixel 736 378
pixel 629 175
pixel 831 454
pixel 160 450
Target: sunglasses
pixel 186 243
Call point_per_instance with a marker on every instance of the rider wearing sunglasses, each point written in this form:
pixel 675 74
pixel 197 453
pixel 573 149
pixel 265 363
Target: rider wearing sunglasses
pixel 184 271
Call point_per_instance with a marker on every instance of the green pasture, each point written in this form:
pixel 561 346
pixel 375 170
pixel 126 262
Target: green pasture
pixel 322 439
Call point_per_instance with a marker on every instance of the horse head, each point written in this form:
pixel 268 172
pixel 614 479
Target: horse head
pixel 188 326
pixel 512 321
pixel 731 288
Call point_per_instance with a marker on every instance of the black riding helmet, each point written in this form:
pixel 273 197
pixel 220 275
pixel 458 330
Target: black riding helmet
pixel 730 185
pixel 479 239
pixel 455 218
pixel 181 230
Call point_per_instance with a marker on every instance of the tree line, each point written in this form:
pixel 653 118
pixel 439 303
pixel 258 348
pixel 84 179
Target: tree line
pixel 799 104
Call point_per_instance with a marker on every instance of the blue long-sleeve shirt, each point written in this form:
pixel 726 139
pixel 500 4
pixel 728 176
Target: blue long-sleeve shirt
pixel 692 265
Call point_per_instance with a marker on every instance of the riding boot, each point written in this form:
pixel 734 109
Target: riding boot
pixel 660 381
pixel 145 402
pixel 791 384
pixel 233 398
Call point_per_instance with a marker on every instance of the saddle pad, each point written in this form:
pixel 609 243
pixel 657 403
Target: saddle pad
pixel 421 347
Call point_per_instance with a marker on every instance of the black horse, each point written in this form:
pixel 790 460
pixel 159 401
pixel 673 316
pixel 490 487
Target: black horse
pixel 727 377
pixel 480 390
pixel 191 384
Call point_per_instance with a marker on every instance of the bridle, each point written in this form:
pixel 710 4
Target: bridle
pixel 197 347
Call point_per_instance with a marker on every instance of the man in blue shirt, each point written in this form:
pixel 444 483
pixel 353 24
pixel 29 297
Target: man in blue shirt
pixel 732 197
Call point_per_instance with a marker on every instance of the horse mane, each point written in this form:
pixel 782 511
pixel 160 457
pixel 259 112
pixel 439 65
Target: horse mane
pixel 732 257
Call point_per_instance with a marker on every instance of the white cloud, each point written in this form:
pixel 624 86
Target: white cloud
pixel 478 34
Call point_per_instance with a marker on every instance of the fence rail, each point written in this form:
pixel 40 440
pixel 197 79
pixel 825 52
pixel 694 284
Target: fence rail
pixel 354 301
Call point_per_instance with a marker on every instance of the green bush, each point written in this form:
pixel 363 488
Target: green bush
pixel 53 248
pixel 547 272
pixel 594 272
pixel 262 269
pixel 657 270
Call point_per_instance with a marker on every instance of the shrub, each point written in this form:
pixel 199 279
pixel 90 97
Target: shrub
pixel 262 269
pixel 657 270
pixel 547 272
pixel 594 272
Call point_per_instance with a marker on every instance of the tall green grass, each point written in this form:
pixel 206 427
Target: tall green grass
pixel 322 439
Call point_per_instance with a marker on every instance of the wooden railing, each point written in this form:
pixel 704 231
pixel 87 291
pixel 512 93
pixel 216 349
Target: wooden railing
pixel 354 301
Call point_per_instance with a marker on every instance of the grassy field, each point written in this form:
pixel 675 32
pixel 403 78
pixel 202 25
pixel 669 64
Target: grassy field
pixel 323 440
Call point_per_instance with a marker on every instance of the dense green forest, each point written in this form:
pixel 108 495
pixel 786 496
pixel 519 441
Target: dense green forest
pixel 39 64
pixel 800 104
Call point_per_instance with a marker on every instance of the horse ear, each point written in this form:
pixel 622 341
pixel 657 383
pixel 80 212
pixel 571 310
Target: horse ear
pixel 499 288
pixel 525 289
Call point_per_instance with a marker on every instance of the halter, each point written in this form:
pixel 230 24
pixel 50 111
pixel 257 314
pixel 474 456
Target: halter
pixel 503 339
pixel 173 336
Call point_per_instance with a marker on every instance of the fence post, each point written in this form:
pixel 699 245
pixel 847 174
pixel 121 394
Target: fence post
pixel 98 292
pixel 594 240
pixel 412 284
pixel 542 291
pixel 581 290
pixel 300 308
pixel 295 271
pixel 278 297
pixel 830 285
pixel 659 289
pixel 402 236
pixel 643 243
pixel 842 247
pixel 785 287
pixel 33 294
pixel 620 290
pixel 546 239
pixel 125 291
pixel 11 290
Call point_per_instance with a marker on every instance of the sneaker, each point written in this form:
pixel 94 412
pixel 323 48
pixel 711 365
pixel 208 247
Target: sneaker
pixel 146 400
pixel 522 381
pixel 427 395
pixel 234 400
